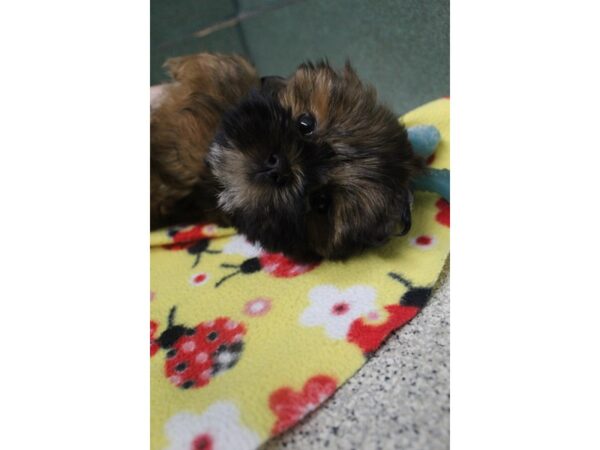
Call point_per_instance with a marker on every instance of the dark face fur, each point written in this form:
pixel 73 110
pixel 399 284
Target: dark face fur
pixel 314 167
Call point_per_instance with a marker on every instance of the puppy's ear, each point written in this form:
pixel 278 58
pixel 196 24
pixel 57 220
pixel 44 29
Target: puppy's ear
pixel 405 221
pixel 271 86
pixel 181 67
pixel 211 68
pixel 349 72
pixel 406 215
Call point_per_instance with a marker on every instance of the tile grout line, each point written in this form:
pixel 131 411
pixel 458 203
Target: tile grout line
pixel 242 35
pixel 241 16
pixel 228 23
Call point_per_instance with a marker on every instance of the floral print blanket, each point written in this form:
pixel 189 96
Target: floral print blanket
pixel 244 343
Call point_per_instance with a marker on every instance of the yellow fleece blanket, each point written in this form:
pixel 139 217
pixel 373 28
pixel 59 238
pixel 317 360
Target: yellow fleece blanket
pixel 245 343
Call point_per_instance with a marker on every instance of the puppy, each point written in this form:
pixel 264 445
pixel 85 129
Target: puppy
pixel 311 166
pixel 182 127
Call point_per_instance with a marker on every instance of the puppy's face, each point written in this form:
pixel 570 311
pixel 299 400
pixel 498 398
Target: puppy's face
pixel 314 167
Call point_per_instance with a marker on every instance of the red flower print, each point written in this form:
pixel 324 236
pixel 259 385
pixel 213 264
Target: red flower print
pixel 369 337
pixel 290 406
pixel 443 215
pixel 153 344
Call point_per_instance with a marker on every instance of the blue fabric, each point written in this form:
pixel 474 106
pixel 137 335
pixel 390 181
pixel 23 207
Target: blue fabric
pixel 424 140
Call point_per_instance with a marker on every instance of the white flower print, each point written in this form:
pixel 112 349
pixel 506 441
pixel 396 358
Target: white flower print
pixel 218 428
pixel 336 309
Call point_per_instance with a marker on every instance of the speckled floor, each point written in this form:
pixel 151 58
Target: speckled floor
pixel 400 399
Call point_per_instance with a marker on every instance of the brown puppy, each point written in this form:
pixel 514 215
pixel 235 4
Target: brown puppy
pixel 183 126
pixel 311 166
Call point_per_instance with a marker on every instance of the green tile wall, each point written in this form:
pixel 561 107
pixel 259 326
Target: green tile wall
pixel 250 5
pixel 223 41
pixel 173 22
pixel 173 19
pixel 401 46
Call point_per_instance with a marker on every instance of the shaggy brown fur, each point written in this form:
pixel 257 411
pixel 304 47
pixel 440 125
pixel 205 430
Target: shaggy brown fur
pixel 311 166
pixel 182 128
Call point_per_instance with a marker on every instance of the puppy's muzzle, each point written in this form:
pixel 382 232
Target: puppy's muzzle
pixel 276 170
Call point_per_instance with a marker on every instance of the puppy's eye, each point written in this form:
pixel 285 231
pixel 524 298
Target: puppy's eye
pixel 306 123
pixel 320 202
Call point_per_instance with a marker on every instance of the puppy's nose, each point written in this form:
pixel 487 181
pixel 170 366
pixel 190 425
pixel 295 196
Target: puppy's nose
pixel 276 169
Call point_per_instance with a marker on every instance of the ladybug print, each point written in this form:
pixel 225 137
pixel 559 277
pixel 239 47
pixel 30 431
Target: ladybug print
pixel 198 248
pixel 195 355
pixel 275 264
pixel 183 235
pixel 369 337
pixel 195 240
